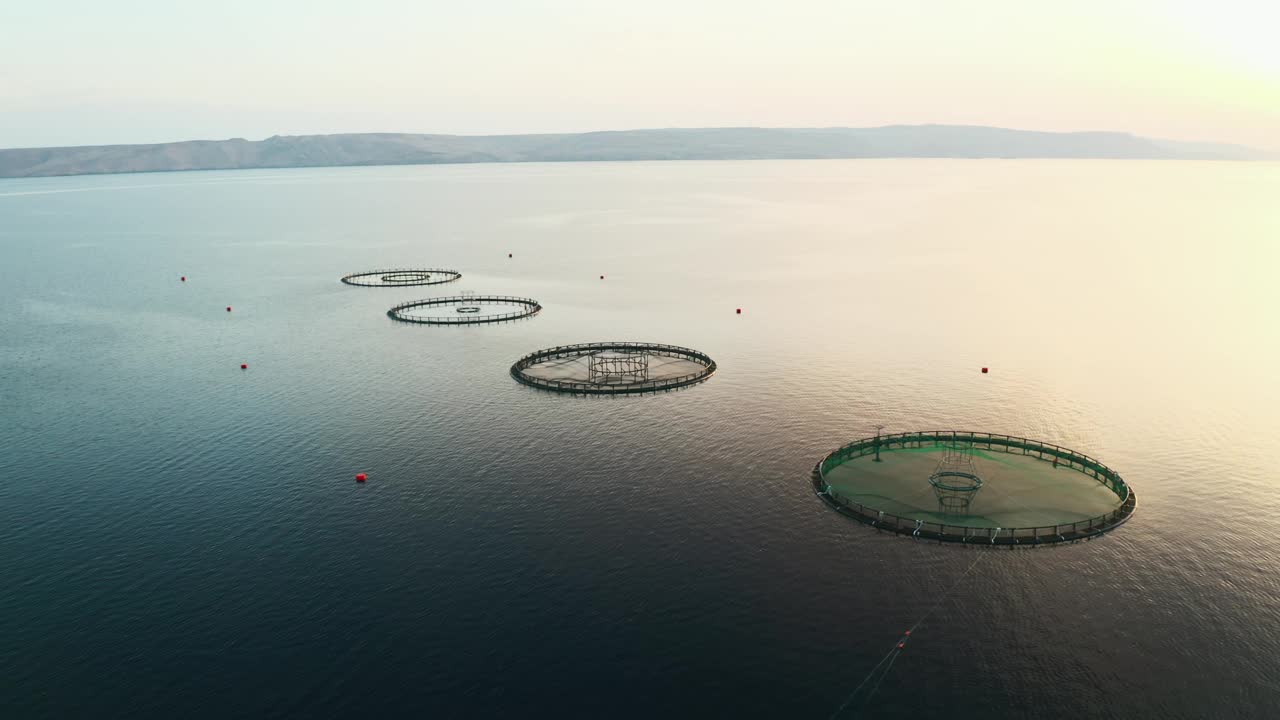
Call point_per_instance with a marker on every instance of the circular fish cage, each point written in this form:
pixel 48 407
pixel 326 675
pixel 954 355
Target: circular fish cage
pixel 613 368
pixel 973 487
pixel 465 310
pixel 401 277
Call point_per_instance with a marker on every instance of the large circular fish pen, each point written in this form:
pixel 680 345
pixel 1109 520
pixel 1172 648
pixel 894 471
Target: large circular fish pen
pixel 973 487
pixel 468 309
pixel 401 277
pixel 613 368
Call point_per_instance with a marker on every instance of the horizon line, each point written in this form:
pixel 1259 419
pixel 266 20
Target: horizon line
pixel 1127 133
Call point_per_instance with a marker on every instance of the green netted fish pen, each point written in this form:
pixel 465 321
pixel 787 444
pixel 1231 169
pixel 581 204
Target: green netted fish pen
pixel 973 487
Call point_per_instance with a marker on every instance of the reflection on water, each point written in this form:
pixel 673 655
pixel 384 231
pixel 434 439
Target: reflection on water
pixel 183 537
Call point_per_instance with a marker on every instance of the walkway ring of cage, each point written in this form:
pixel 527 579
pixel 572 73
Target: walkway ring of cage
pixel 402 277
pixel 614 368
pixel 468 309
pixel 1009 459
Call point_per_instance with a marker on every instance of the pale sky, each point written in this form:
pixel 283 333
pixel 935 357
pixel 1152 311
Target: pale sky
pixel 130 71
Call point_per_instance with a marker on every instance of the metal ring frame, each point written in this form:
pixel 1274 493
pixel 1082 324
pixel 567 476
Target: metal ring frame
pixel 529 308
pixel 612 388
pixel 406 278
pixel 950 532
pixel 378 278
pixel 971 482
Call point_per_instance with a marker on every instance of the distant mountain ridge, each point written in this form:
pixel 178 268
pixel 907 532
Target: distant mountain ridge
pixel 894 141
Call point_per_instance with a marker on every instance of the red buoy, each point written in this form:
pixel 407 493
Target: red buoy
pixel 184 278
pixel 508 254
pixel 901 645
pixel 907 633
pixel 244 366
pixel 228 308
pixel 739 311
pixel 984 370
pixel 601 277
pixel 361 477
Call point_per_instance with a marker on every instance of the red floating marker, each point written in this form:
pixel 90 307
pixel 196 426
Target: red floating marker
pixel 984 371
pixel 361 477
pixel 907 633
pixel 739 311
pixel 601 277
pixel 228 308
pixel 244 366
pixel 508 254
pixel 184 278
pixel 901 645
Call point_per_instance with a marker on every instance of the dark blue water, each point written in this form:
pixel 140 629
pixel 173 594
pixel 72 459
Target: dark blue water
pixel 181 538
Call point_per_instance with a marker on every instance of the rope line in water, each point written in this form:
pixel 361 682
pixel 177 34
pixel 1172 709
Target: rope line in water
pixel 883 675
pixel 892 656
pixel 854 694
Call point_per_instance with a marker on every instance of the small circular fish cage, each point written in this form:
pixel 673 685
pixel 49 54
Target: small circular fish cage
pixel 613 368
pixel 465 310
pixel 401 277
pixel 955 490
pixel 973 487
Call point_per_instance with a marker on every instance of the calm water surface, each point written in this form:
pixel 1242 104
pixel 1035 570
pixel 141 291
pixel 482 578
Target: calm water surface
pixel 180 538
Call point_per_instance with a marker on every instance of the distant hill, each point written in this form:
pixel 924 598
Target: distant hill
pixel 896 141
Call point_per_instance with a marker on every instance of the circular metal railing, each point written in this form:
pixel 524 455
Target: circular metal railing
pixel 585 350
pixel 950 532
pixel 401 277
pixel 468 310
